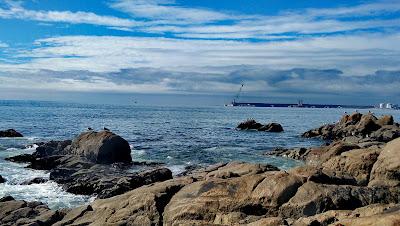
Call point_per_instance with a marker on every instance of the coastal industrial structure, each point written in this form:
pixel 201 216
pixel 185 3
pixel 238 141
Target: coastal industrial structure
pixel 301 104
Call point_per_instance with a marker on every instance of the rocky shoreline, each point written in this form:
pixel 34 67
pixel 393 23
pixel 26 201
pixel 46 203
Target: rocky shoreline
pixel 352 180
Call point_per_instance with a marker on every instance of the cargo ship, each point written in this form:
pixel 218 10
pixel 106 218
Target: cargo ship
pixel 299 104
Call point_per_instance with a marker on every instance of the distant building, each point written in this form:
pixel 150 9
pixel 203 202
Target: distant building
pixel 388 106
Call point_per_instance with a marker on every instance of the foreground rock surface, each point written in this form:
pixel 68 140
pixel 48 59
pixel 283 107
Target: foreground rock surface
pixel 253 125
pixel 10 133
pixel 342 183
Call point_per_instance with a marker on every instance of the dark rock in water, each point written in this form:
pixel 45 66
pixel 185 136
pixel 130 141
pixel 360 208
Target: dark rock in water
pixel 251 124
pixel 2 180
pixel 271 127
pixel 93 163
pixel 21 158
pixel 51 148
pixel 106 182
pixel 10 133
pixel 102 147
pixel 37 180
pixel 361 126
pixel 6 198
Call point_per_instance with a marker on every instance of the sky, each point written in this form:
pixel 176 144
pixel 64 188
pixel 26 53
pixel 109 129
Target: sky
pixel 281 50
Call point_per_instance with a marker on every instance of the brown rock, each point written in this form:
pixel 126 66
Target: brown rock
pixel 142 206
pixel 230 201
pixel 385 120
pixel 356 163
pixel 386 170
pixel 312 198
pixel 237 169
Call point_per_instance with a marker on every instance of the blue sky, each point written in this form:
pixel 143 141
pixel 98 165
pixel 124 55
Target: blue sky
pixel 338 50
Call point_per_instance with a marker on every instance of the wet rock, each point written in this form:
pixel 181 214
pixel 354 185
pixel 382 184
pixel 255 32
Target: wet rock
pixel 2 180
pixel 251 124
pixel 37 180
pixel 10 133
pixel 271 127
pixel 6 198
pixel 386 170
pixel 101 147
pixel 24 158
pixel 80 177
pixel 45 149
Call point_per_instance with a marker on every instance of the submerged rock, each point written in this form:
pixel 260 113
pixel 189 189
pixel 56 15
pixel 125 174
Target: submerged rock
pixel 2 180
pixel 10 133
pixel 37 180
pixel 251 124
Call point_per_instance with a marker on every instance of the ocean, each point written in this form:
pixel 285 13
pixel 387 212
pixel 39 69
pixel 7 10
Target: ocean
pixel 178 136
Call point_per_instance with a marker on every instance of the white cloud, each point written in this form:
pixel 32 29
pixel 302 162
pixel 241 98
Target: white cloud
pixel 168 11
pixel 355 54
pixel 3 45
pixel 18 12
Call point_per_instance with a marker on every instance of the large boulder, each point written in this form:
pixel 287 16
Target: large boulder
pixel 10 133
pixel 386 170
pixel 356 163
pixel 2 180
pixel 231 201
pixel 101 147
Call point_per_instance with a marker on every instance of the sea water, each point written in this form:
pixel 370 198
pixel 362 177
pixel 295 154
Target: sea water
pixel 175 135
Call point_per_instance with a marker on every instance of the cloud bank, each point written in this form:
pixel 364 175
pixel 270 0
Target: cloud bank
pixel 172 48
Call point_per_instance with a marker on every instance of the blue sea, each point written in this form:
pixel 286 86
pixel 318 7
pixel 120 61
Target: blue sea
pixel 178 136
